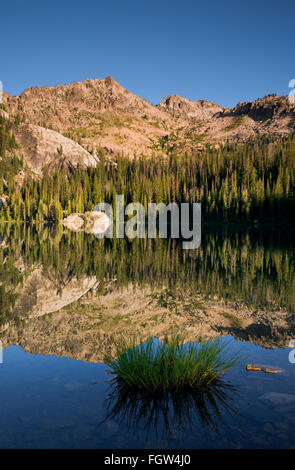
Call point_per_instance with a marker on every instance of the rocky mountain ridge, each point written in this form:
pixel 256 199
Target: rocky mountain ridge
pixel 83 117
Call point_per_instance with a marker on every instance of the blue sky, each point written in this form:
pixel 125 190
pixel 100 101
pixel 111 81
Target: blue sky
pixel 224 51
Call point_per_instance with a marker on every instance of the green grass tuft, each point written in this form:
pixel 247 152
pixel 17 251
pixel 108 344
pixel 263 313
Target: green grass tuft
pixel 172 365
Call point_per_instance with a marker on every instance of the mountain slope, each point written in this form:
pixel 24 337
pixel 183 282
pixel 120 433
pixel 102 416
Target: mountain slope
pixel 95 113
pixel 100 113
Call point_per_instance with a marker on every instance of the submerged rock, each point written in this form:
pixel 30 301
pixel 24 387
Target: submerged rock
pixel 269 370
pixel 278 398
pixel 73 386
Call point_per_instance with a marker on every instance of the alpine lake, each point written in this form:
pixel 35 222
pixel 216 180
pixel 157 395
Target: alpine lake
pixel 67 297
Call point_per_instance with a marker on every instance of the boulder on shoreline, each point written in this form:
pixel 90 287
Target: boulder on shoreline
pixel 95 222
pixel 74 222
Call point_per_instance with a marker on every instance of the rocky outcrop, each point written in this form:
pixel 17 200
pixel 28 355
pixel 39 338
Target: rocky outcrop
pixel 74 222
pixel 188 109
pixel 46 148
pixel 269 107
pixel 95 222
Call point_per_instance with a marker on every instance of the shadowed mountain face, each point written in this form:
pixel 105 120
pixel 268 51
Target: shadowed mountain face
pixel 70 294
pixel 100 113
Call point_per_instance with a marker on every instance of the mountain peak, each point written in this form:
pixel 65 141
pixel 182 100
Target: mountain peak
pixel 189 109
pixel 109 80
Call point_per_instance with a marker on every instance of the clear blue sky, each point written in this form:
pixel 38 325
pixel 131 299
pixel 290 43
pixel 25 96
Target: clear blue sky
pixel 224 51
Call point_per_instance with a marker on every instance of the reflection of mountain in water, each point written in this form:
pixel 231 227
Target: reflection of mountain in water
pixel 40 294
pixel 240 283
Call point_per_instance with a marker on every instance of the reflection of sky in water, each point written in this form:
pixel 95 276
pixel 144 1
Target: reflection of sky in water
pixel 58 402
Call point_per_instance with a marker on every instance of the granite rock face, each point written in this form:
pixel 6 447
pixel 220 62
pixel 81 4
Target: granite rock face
pixel 43 147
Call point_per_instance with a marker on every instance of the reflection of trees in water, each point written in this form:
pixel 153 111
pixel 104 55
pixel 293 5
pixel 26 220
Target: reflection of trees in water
pixel 257 267
pixel 163 415
pixel 10 278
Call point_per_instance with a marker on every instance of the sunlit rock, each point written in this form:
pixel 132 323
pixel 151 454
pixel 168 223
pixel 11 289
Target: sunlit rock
pixel 95 222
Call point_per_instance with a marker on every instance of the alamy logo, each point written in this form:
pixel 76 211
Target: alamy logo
pixel 292 353
pixel 292 92
pixel 180 220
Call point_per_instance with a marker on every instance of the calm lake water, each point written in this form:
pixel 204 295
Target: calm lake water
pixel 55 287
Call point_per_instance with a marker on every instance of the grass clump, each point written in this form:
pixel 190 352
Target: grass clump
pixel 171 365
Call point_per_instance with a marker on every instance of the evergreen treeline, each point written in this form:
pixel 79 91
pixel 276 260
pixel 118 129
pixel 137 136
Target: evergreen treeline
pixel 249 181
pixel 9 164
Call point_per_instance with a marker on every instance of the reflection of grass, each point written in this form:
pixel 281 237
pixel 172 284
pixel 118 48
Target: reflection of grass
pixel 171 365
pixel 162 414
pixel 234 321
